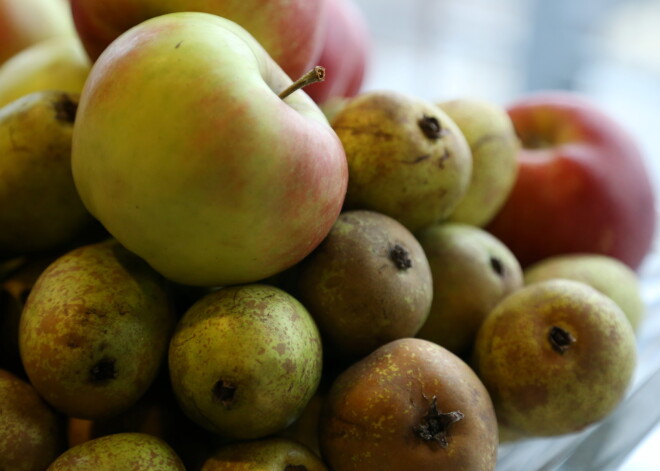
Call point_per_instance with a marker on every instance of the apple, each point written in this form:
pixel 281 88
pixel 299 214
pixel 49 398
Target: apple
pixel 345 52
pixel 26 22
pixel 582 184
pixel 290 30
pixel 187 155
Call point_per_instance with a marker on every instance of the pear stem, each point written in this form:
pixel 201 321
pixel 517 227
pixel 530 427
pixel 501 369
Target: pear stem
pixel 317 74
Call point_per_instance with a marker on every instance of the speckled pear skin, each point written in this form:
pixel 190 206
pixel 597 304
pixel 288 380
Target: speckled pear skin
pixel 372 416
pixel 270 454
pixel 368 283
pixel 120 451
pixel 472 271
pixel 556 356
pixel 95 329
pixel 32 433
pixel 406 157
pixel 245 360
pixel 608 275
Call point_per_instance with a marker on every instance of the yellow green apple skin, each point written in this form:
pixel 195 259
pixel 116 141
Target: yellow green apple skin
pixel 494 145
pixel 292 31
pixel 556 356
pixel 27 22
pixel 186 154
pixel 607 274
pixel 58 63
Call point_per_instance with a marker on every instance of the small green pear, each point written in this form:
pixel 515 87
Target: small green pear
pixel 95 329
pixel 607 274
pixel 32 433
pixel 494 146
pixel 270 454
pixel 119 451
pixel 406 157
pixel 472 271
pixel 556 356
pixel 245 360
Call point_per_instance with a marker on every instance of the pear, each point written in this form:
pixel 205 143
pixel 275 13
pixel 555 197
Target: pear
pixel 368 283
pixel 39 206
pixel 32 433
pixel 245 360
pixel 410 404
pixel 406 157
pixel 270 454
pixel 119 451
pixel 58 63
pixel 494 146
pixel 472 271
pixel 95 329
pixel 556 356
pixel 607 274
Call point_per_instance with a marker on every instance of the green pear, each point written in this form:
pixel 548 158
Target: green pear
pixel 472 271
pixel 119 451
pixel 245 360
pixel 95 329
pixel 607 274
pixel 368 283
pixel 32 433
pixel 409 405
pixel 556 356
pixel 406 157
pixel 39 206
pixel 59 63
pixel 494 145
pixel 270 454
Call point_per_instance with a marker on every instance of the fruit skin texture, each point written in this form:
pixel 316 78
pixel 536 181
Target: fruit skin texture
pixel 94 330
pixel 134 451
pixel 582 184
pixel 39 206
pixel 270 454
pixel 245 360
pixel 32 434
pixel 395 166
pixel 538 391
pixel 494 146
pixel 232 184
pixel 345 53
pixel 472 271
pixel 368 283
pixel 608 275
pixel 58 63
pixel 291 30
pixel 368 422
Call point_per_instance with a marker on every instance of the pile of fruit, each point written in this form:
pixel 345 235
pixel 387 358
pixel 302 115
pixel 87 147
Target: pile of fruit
pixel 205 266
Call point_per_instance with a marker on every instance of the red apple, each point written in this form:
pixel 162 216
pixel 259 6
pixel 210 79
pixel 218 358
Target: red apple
pixel 345 52
pixel 290 30
pixel 582 184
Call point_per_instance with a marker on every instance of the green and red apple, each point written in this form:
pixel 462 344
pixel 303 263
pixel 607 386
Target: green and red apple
pixel 582 184
pixel 185 152
pixel 291 31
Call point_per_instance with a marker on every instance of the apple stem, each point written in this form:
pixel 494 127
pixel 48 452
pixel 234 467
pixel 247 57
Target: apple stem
pixel 317 74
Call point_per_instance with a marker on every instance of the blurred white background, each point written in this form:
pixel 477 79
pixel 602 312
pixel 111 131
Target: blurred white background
pixel 499 50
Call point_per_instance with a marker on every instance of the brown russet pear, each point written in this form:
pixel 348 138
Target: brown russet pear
pixel 245 360
pixel 31 432
pixel 556 356
pixel 269 454
pixel 410 404
pixel 472 271
pixel 406 157
pixel 368 283
pixel 120 451
pixel 607 274
pixel 95 329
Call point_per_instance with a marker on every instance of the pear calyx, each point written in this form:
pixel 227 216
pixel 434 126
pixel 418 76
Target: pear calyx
pixel 560 339
pixel 435 425
pixel 401 257
pixel 431 127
